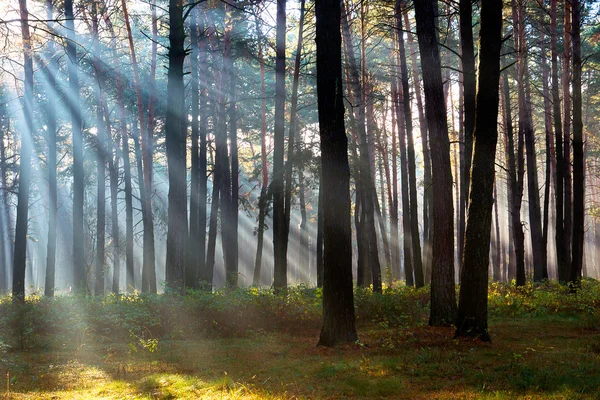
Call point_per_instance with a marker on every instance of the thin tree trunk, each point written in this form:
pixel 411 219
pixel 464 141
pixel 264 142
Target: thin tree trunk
pixel 469 80
pixel 52 184
pixel 406 226
pixel 146 159
pixel 79 278
pixel 101 159
pixel 578 156
pixel 26 152
pixel 289 184
pixel 191 270
pixel 427 190
pixel 262 201
pixel 365 173
pixel 497 275
pixel 568 192
pixel 412 174
pixel 280 236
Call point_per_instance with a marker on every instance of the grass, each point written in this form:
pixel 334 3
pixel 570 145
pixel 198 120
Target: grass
pixel 250 344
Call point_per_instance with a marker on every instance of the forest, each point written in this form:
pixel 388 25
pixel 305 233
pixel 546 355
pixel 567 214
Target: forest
pixel 299 199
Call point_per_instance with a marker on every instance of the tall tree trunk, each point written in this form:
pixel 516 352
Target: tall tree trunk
pixel 338 298
pixel 262 201
pixel 443 297
pixel 469 80
pixel 202 167
pixel 406 228
pixel 427 190
pixel 497 275
pixel 146 159
pixel 472 309
pixel 175 140
pixel 126 168
pixel 548 128
pixel 280 236
pixel 289 184
pixel 79 278
pixel 578 160
pixel 568 192
pixel 394 206
pixel 365 172
pixel 320 228
pixel 101 158
pixel 412 174
pixel 231 258
pixel 526 129
pixel 26 152
pixel 516 167
pixel 52 184
pixel 191 270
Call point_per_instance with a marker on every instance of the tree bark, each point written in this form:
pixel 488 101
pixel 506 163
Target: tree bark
pixel 412 174
pixel 469 79
pixel 472 308
pixel 101 158
pixel 52 182
pixel 79 278
pixel 365 173
pixel 578 154
pixel 443 297
pixel 176 151
pixel 26 152
pixel 338 298
pixel 280 237
pixel 262 201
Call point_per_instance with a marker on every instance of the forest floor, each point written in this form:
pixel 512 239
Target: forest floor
pixel 544 345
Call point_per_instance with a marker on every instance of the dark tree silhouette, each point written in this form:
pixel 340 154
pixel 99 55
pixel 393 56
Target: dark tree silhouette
pixel 20 253
pixel 472 306
pixel 338 298
pixel 175 139
pixel 443 297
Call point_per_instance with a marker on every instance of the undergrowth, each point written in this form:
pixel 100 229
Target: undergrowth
pixel 143 320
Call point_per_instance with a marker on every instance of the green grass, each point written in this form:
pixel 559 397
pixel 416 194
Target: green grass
pixel 251 344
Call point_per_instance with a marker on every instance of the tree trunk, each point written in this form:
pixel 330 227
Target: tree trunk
pixel 568 192
pixel 427 190
pixel 472 308
pixel 176 151
pixel 202 167
pixel 262 201
pixel 231 257
pixel 469 79
pixel 338 298
pixel 52 184
pixel 526 129
pixel 79 278
pixel 280 236
pixel 412 174
pixel 443 297
pixel 365 172
pixel 320 228
pixel 289 184
pixel 26 152
pixel 578 160
pixel 191 270
pixel 497 276
pixel 145 184
pixel 561 250
pixel 101 159
pixel 406 227
pixel 126 169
